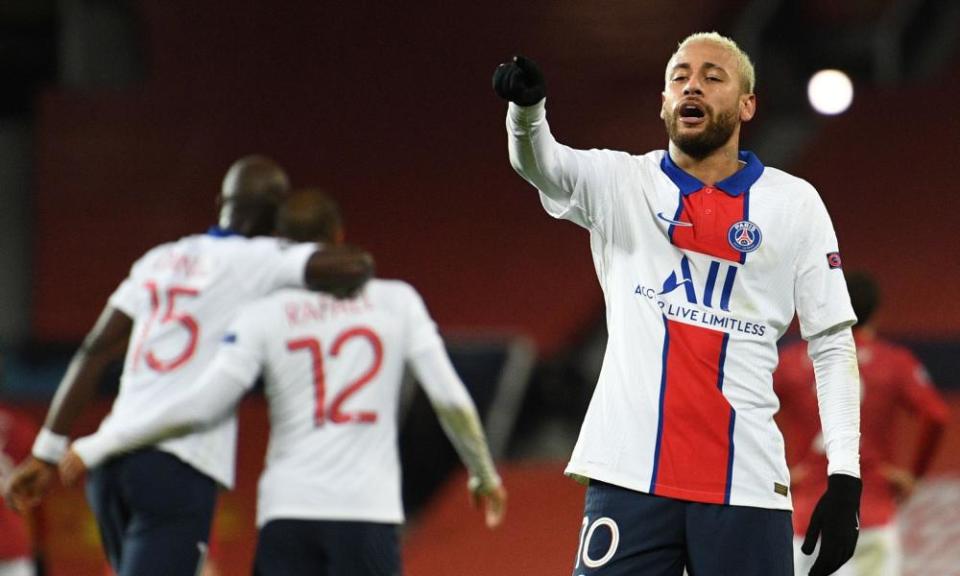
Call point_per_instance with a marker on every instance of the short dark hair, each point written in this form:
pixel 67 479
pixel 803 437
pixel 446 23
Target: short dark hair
pixel 864 295
pixel 309 215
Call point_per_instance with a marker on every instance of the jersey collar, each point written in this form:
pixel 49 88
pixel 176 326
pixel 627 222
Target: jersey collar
pixel 218 232
pixel 735 185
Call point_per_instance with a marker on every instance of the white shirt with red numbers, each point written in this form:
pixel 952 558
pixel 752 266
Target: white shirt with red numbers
pixel 700 282
pixel 332 371
pixel 182 296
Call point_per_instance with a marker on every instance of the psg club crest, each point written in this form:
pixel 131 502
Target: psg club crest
pixel 744 236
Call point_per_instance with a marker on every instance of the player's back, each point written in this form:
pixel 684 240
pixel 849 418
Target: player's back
pixel 891 380
pixel 888 372
pixel 182 296
pixel 332 373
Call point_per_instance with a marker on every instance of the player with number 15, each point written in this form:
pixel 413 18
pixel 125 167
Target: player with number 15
pixel 154 507
pixel 329 500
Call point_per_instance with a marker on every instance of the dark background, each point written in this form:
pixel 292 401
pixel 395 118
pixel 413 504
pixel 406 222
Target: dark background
pixel 119 118
pixel 388 105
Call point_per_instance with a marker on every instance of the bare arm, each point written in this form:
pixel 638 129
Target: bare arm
pixel 340 270
pixel 104 344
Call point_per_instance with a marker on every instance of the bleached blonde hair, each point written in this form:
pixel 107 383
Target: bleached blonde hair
pixel 744 65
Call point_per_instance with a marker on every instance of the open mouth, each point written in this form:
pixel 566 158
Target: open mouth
pixel 692 113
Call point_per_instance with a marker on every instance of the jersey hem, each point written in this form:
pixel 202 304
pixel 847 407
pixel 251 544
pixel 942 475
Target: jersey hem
pixel 575 470
pixel 224 481
pixel 347 515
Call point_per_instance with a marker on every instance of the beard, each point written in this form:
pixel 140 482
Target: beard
pixel 718 131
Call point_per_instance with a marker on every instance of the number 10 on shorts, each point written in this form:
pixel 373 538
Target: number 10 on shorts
pixel 587 531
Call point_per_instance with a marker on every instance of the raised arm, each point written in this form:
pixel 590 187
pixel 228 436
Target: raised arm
pixel 574 184
pixel 104 344
pixel 534 153
pixel 458 416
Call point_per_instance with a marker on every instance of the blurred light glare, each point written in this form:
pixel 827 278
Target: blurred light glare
pixel 830 92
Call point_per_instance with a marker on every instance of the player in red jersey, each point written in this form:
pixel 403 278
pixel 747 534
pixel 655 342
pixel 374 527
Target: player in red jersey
pixel 891 378
pixel 16 540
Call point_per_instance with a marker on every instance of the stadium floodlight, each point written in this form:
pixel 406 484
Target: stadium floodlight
pixel 830 92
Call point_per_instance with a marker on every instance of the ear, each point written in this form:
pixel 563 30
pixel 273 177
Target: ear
pixel 748 107
pixel 663 103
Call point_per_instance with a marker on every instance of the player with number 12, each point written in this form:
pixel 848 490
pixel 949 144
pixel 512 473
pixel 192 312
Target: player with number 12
pixel 329 499
pixel 154 507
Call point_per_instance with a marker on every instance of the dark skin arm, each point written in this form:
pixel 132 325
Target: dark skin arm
pixel 339 269
pixel 105 343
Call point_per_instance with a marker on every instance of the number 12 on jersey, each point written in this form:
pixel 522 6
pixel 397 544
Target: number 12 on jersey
pixel 336 413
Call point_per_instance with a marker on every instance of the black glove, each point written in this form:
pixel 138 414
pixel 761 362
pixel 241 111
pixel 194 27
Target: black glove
pixel 836 520
pixel 519 81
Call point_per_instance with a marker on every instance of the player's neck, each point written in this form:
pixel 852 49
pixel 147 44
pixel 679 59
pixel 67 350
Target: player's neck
pixel 718 165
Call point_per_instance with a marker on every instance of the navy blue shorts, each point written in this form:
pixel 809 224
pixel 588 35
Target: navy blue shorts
pixel 625 532
pixel 154 513
pixel 327 548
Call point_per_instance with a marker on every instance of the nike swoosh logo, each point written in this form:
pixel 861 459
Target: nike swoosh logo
pixel 674 222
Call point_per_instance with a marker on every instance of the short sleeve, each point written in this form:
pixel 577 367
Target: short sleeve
pixel 243 348
pixel 820 290
pixel 124 298
pixel 421 330
pixel 127 297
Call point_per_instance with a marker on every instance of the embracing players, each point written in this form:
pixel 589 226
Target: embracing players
pixel 329 498
pixel 154 507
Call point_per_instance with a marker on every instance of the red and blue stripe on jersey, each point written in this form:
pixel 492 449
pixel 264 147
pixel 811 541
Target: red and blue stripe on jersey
pixel 694 453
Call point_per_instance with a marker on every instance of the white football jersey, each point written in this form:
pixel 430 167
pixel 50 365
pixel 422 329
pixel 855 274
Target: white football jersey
pixel 182 296
pixel 332 371
pixel 700 282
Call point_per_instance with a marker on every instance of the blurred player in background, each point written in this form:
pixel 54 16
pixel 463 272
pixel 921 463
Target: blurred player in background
pixel 17 542
pixel 892 380
pixel 329 499
pixel 154 507
pixel 704 256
